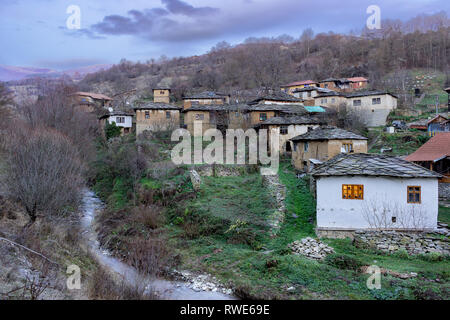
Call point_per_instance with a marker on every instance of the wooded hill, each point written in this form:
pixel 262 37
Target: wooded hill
pixel 270 62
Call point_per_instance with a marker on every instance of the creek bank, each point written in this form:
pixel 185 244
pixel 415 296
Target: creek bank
pixel 165 289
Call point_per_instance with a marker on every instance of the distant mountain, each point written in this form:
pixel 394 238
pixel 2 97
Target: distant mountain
pixel 12 73
pixel 9 73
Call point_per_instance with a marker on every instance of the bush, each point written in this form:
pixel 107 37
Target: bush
pixel 343 262
pixel 112 131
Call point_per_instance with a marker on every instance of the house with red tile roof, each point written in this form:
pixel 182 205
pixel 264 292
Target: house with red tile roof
pixel 434 155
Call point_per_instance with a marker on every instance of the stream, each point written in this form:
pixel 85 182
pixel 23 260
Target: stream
pixel 165 289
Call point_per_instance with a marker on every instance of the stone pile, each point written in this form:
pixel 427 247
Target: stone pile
pixel 202 282
pixel 311 248
pixel 392 241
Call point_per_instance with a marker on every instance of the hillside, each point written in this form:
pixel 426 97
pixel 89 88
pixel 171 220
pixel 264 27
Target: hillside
pixel 265 62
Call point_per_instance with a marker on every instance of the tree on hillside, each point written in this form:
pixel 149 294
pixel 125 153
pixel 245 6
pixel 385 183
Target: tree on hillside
pixel 44 171
pixel 112 130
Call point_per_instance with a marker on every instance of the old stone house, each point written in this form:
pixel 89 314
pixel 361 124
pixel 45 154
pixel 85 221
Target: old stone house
pixel 309 93
pixel 334 100
pixel 287 128
pixel 122 119
pixel 206 98
pixel 373 106
pixel 155 116
pixel 89 101
pixel 161 95
pixel 290 87
pixel 344 84
pixel 276 97
pixel 261 112
pixel 322 144
pixel 369 191
pixel 220 117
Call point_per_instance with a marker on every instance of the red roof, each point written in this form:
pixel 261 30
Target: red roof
pixel 357 79
pixel 300 83
pixel 436 148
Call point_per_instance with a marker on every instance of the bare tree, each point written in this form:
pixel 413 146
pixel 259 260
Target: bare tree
pixel 382 213
pixel 44 171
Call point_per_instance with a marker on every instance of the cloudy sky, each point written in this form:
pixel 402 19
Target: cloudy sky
pixel 34 32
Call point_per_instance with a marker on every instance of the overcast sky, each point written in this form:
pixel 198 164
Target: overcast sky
pixel 34 32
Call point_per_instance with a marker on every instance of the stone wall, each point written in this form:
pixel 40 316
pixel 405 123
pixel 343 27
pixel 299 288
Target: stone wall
pixel 220 170
pixel 392 241
pixel 444 191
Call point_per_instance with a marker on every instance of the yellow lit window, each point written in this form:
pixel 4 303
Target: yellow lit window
pixel 414 194
pixel 353 191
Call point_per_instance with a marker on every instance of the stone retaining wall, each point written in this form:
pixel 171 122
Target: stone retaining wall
pixel 220 170
pixel 444 191
pixel 392 241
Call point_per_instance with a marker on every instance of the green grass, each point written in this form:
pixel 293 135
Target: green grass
pixel 402 143
pixel 244 266
pixel 444 214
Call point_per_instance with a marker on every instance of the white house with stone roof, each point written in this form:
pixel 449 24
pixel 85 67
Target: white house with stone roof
pixel 367 191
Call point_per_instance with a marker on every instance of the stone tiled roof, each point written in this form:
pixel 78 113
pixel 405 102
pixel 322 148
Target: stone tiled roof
pixel 299 83
pixel 318 89
pixel 207 95
pixel 330 94
pixel 217 107
pixel 368 93
pixel 277 96
pixel 328 133
pixel 363 164
pixel 156 106
pixel 96 96
pixel 291 120
pixel 284 108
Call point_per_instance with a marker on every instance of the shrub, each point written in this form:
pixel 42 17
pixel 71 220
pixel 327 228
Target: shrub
pixel 343 262
pixel 112 131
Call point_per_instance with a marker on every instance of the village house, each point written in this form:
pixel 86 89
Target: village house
pixel 438 124
pixel 421 125
pixel 155 116
pixel 373 106
pixel 309 93
pixel 434 155
pixel 290 87
pixel 334 84
pixel 334 100
pixel 261 112
pixel 276 97
pixel 206 98
pixel 322 144
pixel 357 83
pixel 344 84
pixel 122 119
pixel 287 128
pixel 210 117
pixel 89 101
pixel 161 95
pixel 368 191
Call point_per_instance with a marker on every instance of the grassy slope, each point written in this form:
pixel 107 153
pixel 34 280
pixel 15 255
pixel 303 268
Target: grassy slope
pixel 444 214
pixel 246 267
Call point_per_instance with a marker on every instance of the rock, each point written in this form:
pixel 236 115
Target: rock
pixel 195 179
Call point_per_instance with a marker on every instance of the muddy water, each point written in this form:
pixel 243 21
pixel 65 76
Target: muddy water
pixel 171 290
